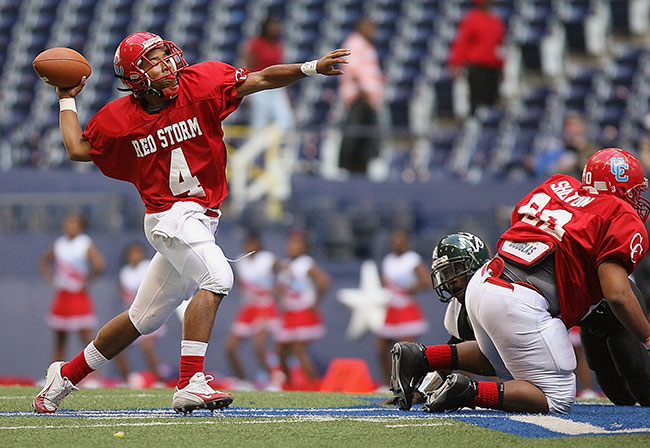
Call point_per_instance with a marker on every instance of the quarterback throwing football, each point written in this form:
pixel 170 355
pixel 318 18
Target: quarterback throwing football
pixel 166 139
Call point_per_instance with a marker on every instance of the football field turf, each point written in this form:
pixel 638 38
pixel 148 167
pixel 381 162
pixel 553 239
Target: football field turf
pixel 142 418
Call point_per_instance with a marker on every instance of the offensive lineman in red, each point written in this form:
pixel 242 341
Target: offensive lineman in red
pixel 166 139
pixel 569 245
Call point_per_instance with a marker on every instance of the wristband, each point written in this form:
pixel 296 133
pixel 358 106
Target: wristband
pixel 646 344
pixel 309 68
pixel 67 104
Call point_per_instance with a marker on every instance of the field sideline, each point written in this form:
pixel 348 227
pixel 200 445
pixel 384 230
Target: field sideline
pixel 99 417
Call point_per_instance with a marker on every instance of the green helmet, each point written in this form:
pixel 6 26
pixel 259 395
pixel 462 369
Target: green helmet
pixel 456 257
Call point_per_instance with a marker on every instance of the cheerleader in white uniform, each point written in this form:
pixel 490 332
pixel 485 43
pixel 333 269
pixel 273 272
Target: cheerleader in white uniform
pixel 130 277
pixel 77 262
pixel 403 273
pixel 257 316
pixel 302 285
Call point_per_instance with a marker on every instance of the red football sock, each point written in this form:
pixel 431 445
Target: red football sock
pixel 439 357
pixel 77 369
pixel 490 395
pixel 189 366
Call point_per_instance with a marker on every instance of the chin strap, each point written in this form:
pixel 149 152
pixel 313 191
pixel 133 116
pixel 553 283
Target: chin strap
pixel 168 92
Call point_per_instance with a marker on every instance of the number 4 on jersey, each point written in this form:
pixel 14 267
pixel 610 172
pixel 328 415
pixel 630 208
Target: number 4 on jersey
pixel 181 180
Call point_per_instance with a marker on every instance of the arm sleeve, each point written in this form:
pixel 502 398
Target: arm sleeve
pixel 103 152
pixel 625 241
pixel 229 77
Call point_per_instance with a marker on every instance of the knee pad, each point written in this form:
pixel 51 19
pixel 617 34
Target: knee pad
pixel 561 398
pixel 147 323
pixel 560 406
pixel 218 277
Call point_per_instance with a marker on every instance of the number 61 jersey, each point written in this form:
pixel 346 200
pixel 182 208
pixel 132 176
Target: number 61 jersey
pixel 581 230
pixel 177 154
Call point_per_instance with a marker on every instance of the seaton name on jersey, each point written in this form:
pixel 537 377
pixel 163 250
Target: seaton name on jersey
pixel 169 135
pixel 563 189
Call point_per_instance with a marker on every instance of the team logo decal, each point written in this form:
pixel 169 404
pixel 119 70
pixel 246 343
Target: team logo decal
pixel 636 246
pixel 619 168
pixel 472 244
pixel 240 75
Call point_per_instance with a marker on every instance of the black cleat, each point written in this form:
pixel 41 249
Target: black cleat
pixel 409 365
pixel 458 391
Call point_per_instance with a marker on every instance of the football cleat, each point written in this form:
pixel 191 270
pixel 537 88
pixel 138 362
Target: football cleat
pixel 409 365
pixel 199 395
pixel 55 390
pixel 458 391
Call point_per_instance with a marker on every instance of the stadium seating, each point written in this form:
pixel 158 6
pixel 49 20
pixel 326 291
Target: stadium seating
pixel 413 43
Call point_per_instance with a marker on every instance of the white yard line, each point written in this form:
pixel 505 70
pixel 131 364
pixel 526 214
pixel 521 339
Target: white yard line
pixel 81 395
pixel 568 427
pixel 410 425
pixel 179 422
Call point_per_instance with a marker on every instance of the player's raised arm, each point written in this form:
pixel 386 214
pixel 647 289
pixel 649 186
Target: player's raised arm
pixel 77 147
pixel 284 74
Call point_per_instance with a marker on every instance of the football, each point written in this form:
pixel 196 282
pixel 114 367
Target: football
pixel 61 67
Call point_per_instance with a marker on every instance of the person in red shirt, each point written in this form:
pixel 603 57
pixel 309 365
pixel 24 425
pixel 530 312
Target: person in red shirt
pixel 570 245
pixel 266 49
pixel 477 47
pixel 166 139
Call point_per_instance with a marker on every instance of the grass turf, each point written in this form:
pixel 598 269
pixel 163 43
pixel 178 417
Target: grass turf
pixel 150 431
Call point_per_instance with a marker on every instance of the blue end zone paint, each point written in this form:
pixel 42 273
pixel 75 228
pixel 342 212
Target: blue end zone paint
pixel 585 419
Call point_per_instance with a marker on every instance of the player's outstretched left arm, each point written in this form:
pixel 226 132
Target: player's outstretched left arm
pixel 284 74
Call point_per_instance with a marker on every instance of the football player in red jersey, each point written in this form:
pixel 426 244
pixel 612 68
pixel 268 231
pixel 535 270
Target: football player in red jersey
pixel 166 139
pixel 569 245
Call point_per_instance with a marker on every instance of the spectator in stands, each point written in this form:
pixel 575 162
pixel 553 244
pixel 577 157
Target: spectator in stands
pixel 70 266
pixel 404 274
pixel 477 48
pixel 130 277
pixel 361 89
pixel 643 150
pixel 302 284
pixel 257 317
pixel 266 49
pixel 567 156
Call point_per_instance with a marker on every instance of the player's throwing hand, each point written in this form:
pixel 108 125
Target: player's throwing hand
pixel 72 91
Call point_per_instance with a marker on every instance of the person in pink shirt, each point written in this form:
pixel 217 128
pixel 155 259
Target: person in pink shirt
pixel 361 89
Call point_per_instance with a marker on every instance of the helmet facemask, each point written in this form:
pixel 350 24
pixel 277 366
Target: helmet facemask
pixel 450 276
pixel 640 204
pixel 138 80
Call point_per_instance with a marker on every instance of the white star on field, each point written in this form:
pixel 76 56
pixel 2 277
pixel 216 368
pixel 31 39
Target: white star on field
pixel 367 303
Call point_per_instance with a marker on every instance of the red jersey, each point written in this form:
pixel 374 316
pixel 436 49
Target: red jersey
pixel 585 229
pixel 480 36
pixel 177 154
pixel 265 52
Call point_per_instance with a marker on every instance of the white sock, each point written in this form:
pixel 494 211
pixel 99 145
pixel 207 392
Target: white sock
pixel 93 357
pixel 193 348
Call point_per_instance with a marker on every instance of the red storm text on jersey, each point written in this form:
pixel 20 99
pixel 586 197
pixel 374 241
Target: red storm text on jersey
pixel 585 229
pixel 175 155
